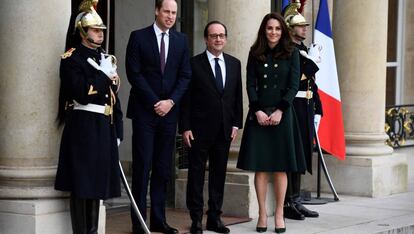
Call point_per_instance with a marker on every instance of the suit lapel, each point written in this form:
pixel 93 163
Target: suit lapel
pixel 154 45
pixel 229 68
pixel 171 49
pixel 209 73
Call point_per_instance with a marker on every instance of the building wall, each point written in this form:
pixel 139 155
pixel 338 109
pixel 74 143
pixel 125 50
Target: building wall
pixel 129 16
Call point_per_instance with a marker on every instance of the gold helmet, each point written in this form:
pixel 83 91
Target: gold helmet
pixel 293 17
pixel 88 17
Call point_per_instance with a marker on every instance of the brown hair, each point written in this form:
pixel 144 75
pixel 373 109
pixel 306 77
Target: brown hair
pixel 260 46
pixel 158 4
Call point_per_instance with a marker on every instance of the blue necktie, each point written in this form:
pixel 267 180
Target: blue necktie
pixel 219 76
pixel 162 53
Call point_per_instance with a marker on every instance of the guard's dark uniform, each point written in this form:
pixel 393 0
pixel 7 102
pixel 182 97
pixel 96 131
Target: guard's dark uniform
pixel 88 158
pixel 306 108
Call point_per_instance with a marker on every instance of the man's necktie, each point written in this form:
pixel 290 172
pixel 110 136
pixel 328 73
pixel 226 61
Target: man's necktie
pixel 219 76
pixel 162 53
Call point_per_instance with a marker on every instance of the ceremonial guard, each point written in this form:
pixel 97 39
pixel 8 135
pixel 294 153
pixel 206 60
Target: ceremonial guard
pixel 307 106
pixel 91 114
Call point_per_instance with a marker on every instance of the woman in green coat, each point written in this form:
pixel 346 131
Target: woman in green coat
pixel 271 140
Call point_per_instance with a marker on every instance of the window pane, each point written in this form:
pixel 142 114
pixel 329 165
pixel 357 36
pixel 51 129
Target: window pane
pixel 391 86
pixel 392 30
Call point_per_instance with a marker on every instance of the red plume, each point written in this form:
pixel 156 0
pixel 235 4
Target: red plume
pixel 302 5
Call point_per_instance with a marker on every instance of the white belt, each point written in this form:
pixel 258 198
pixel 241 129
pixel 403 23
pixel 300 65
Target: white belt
pixel 105 110
pixel 304 94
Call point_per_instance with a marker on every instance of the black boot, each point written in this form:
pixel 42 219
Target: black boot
pixel 78 215
pixel 290 212
pixel 92 207
pixel 305 211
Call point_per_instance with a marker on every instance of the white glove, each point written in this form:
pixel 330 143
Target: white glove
pixel 317 120
pixel 315 53
pixel 106 66
pixel 118 141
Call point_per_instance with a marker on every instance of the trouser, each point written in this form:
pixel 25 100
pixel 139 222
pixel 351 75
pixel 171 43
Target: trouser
pixel 216 151
pixel 293 188
pixel 84 214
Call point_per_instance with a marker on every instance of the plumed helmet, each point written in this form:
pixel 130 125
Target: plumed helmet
pixel 292 16
pixel 88 17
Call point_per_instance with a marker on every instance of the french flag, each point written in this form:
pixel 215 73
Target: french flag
pixel 331 128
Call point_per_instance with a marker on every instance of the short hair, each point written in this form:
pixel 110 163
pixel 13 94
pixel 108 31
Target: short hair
pixel 214 22
pixel 158 4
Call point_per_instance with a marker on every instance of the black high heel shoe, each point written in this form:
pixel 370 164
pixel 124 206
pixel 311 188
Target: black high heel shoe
pixel 281 230
pixel 261 229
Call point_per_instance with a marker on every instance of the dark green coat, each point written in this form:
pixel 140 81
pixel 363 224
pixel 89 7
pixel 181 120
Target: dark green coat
pixel 272 85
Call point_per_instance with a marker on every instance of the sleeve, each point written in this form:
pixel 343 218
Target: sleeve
pixel 119 124
pixel 238 107
pixel 184 74
pixel 78 86
pixel 184 122
pixel 293 82
pixel 133 65
pixel 251 84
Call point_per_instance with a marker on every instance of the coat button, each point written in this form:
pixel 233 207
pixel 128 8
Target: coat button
pixel 276 65
pixel 265 86
pixel 106 95
pixel 266 65
pixel 265 75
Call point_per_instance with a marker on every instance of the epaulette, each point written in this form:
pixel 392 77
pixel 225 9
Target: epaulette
pixel 68 53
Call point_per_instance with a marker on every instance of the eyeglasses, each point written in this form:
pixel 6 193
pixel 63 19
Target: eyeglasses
pixel 216 36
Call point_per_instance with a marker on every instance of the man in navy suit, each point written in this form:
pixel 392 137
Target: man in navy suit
pixel 158 69
pixel 211 114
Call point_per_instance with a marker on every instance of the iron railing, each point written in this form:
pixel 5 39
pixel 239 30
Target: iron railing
pixel 399 125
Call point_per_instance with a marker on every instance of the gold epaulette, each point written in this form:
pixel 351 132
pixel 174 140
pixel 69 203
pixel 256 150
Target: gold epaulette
pixel 68 53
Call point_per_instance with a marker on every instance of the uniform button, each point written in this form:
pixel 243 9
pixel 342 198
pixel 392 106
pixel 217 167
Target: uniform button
pixel 106 95
pixel 266 65
pixel 265 86
pixel 265 75
pixel 276 65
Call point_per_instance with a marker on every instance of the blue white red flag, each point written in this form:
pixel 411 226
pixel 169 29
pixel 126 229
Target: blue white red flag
pixel 331 128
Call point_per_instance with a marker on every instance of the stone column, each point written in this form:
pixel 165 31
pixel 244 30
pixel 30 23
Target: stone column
pixel 360 40
pixel 242 19
pixel 33 37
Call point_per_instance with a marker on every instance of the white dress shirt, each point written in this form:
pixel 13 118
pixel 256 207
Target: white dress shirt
pixel 158 33
pixel 221 62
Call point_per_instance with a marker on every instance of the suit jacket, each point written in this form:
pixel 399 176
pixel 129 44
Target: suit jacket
pixel 143 70
pixel 204 109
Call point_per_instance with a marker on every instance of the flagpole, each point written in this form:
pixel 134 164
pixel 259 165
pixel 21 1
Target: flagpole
pixel 108 24
pixel 313 21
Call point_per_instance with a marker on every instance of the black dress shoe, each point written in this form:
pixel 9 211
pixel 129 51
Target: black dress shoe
pixel 261 229
pixel 216 225
pixel 306 212
pixel 196 227
pixel 290 212
pixel 164 228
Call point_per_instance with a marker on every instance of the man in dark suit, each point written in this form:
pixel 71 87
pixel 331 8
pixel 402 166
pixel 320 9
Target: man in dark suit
pixel 158 69
pixel 211 114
